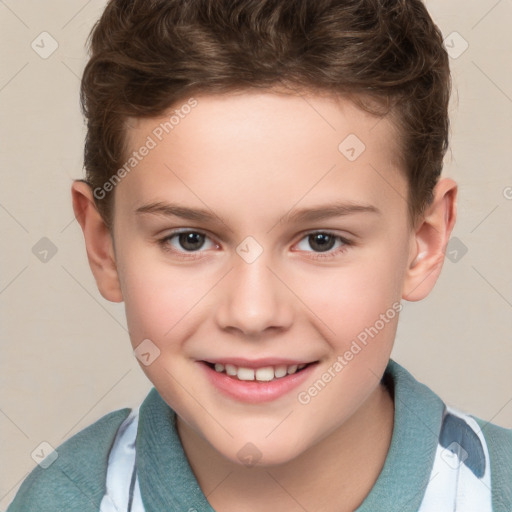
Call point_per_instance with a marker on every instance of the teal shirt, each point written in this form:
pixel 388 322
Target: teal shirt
pixel 75 482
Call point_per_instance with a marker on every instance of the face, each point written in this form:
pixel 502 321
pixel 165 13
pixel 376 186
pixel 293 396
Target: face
pixel 255 237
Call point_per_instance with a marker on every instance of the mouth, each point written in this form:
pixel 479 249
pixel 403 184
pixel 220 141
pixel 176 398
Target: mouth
pixel 262 373
pixel 257 381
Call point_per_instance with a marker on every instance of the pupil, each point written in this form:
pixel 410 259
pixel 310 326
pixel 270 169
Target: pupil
pixel 323 241
pixel 191 241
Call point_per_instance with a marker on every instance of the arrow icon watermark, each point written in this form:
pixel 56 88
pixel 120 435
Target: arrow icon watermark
pixel 146 352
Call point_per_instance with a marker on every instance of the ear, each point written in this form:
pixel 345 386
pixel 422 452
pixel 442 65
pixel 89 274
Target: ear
pixel 98 242
pixel 430 240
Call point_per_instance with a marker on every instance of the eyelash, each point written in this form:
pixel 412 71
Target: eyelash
pixel 191 255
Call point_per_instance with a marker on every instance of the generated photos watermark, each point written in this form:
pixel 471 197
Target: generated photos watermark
pixel 357 345
pixel 157 135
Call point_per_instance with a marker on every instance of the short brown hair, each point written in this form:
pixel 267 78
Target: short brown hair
pixel 147 55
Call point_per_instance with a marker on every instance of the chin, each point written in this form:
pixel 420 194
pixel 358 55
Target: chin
pixel 260 454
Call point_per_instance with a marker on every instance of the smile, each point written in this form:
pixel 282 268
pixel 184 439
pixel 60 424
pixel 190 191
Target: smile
pixel 256 381
pixel 262 374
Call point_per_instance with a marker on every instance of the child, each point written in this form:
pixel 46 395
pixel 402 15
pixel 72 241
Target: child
pixel 263 188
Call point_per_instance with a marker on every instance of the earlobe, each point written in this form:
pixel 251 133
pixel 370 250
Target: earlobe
pixel 98 242
pixel 430 240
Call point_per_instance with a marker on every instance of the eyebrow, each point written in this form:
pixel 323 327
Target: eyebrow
pixel 328 211
pixel 297 216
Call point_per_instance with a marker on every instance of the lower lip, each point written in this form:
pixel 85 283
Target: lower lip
pixel 252 391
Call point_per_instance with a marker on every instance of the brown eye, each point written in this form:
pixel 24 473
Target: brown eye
pixel 321 241
pixel 323 245
pixel 186 242
pixel 191 241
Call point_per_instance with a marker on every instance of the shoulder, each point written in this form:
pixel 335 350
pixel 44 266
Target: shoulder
pixel 499 443
pixel 468 450
pixel 75 480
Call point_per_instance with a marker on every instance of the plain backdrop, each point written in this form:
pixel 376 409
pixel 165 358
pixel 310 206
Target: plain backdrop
pixel 66 356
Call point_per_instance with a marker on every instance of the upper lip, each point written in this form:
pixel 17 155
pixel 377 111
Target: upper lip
pixel 257 363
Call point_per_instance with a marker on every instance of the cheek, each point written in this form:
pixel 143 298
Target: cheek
pixel 350 298
pixel 157 297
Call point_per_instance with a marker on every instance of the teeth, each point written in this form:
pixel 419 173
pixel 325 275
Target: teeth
pixel 230 370
pixel 280 371
pixel 264 374
pixel 245 374
pixel 292 369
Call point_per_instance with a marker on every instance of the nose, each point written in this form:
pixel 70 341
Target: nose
pixel 253 300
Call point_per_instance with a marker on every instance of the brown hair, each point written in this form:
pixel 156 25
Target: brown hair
pixel 147 55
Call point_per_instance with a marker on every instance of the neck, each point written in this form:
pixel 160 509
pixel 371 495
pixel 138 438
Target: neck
pixel 336 474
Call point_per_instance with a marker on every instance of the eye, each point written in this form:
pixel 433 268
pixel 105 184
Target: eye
pixel 324 242
pixel 189 243
pixel 186 242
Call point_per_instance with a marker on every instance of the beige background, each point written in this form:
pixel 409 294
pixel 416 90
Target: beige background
pixel 66 358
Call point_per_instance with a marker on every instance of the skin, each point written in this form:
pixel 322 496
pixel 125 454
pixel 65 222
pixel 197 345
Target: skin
pixel 251 159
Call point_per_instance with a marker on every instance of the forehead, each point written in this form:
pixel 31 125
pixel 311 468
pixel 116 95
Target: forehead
pixel 265 149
